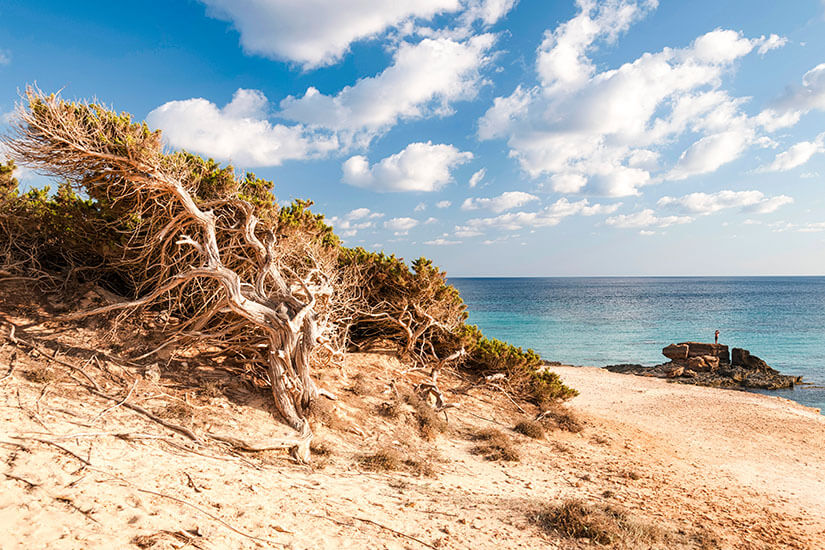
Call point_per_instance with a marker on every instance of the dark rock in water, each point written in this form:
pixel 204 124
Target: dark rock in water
pixel 743 358
pixel 710 365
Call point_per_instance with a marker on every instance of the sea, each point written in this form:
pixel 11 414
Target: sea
pixel 598 321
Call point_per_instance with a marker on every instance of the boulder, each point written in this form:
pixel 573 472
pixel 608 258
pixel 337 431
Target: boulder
pixel 675 372
pixel 743 358
pixel 697 364
pixel 711 361
pixel 676 352
pixel 698 349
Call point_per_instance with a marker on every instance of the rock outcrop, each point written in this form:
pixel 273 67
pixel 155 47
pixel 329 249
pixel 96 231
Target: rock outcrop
pixel 712 365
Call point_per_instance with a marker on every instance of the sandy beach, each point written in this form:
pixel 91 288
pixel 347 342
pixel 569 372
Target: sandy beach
pixel 710 468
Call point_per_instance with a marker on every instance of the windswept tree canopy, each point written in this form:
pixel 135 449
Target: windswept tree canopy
pixel 232 268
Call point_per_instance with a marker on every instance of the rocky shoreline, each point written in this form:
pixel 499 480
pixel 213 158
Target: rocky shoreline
pixel 712 365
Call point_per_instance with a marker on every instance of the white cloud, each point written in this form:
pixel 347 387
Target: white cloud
pixel 815 227
pixel 354 221
pixel 443 204
pixel 562 57
pixel 317 32
pixel 477 177
pixel 548 216
pixel 487 11
pixel 5 57
pixel 400 226
pixel 797 101
pixel 646 218
pixel 505 201
pixel 424 79
pixel 705 203
pixel 420 207
pixel 465 231
pixel 602 132
pixel 441 241
pixel 238 132
pixel 711 152
pixel 419 167
pixel 772 42
pixel 797 155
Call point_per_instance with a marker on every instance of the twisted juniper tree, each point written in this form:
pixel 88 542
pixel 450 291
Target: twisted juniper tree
pixel 198 249
pixel 267 284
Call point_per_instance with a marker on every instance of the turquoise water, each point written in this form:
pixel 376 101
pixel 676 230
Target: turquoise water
pixel 602 321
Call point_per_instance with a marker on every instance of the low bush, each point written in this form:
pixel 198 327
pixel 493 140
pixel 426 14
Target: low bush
pixel 602 524
pixel 493 444
pixel 560 417
pixel 530 428
pixel 383 460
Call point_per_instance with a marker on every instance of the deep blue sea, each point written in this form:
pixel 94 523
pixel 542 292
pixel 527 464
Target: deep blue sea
pixel 602 321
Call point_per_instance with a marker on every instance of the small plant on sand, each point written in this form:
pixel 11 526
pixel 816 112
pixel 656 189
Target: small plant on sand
pixel 320 448
pixel 40 375
pixel 530 428
pixel 390 409
pixel 383 460
pixel 429 423
pixel 601 524
pixel 360 385
pixel 493 444
pixel 557 416
pixel 177 410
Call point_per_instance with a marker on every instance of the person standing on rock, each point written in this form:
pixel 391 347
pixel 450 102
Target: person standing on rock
pixel 716 337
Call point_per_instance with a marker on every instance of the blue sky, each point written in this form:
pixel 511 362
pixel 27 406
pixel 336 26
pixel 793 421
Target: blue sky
pixel 498 137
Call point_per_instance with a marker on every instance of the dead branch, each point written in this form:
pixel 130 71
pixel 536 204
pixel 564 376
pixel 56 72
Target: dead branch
pixel 53 444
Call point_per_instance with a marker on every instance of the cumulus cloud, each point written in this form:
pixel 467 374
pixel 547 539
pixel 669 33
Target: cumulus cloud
pixel 424 79
pixel 646 218
pixel 443 204
pixel 238 132
pixel 354 221
pixel 797 155
pixel 442 241
pixel 400 226
pixel 548 216
pixel 477 177
pixel 603 132
pixel 505 201
pixel 418 167
pixel 488 12
pixel 708 203
pixel 317 32
pixel 797 101
pixel 711 152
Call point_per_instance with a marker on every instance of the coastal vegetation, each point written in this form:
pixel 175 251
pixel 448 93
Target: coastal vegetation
pixel 231 270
